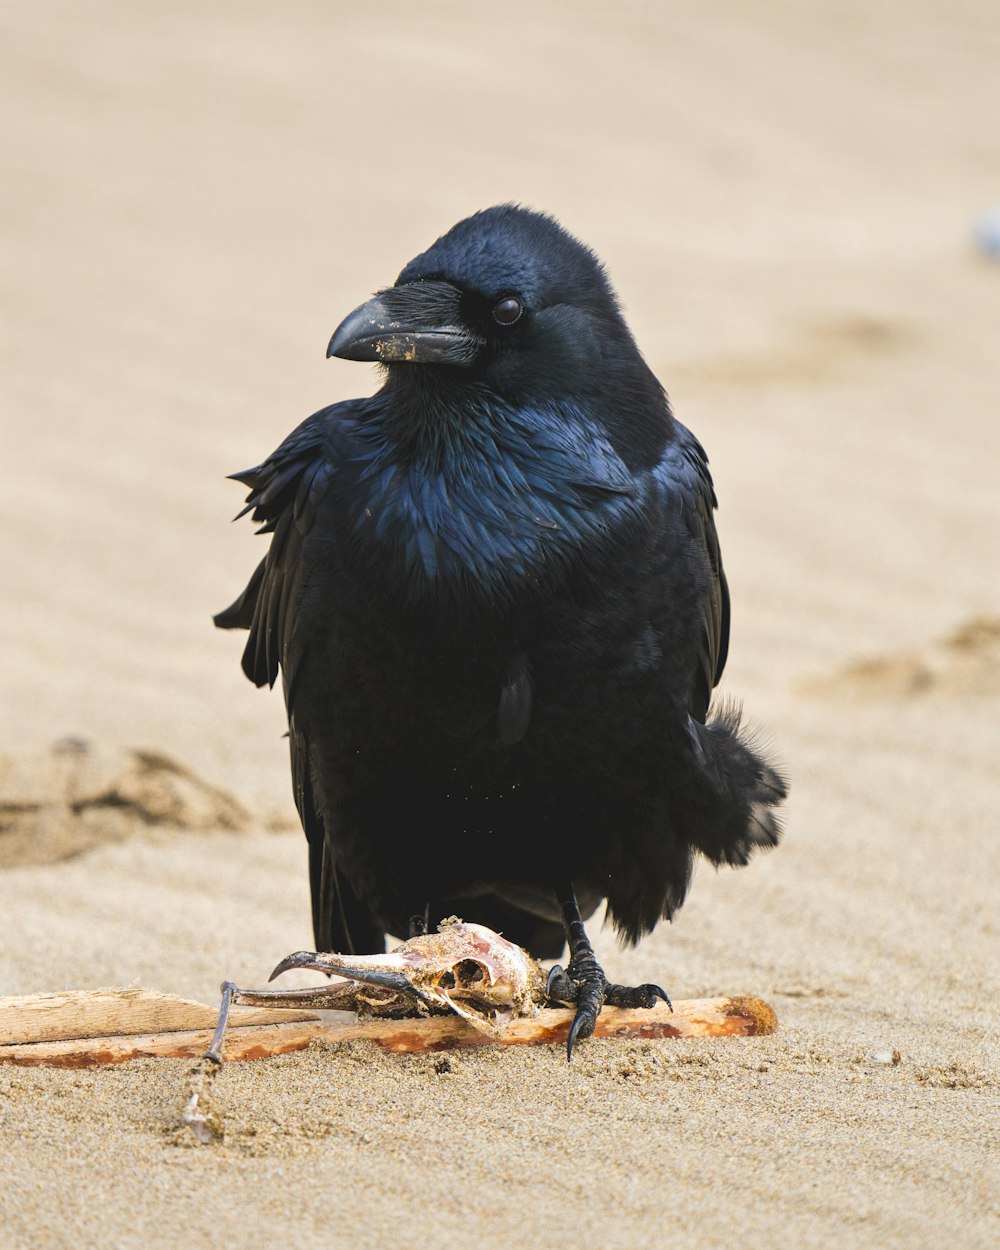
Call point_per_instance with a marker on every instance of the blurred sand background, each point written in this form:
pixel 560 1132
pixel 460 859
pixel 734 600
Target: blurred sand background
pixel 192 197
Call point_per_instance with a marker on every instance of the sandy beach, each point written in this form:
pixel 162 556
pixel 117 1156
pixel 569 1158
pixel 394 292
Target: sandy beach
pixel 785 197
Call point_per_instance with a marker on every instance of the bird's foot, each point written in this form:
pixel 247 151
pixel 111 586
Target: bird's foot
pixel 583 985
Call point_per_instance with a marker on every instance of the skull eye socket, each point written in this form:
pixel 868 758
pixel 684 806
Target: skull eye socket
pixel 446 981
pixel 468 972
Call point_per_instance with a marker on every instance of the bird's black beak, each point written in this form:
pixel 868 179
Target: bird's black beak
pixel 418 322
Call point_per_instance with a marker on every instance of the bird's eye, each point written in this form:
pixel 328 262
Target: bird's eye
pixel 508 310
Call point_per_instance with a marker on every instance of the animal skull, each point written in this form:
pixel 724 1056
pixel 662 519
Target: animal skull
pixel 465 968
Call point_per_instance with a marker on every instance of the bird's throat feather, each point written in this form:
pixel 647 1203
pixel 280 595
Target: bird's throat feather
pixel 489 501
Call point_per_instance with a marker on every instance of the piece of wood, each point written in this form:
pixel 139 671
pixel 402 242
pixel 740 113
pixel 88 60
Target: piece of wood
pixel 700 1017
pixel 77 1014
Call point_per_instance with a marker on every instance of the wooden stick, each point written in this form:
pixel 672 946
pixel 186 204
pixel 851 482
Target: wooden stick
pixel 701 1017
pixel 76 1014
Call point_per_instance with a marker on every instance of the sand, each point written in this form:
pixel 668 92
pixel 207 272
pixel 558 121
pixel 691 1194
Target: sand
pixel 785 195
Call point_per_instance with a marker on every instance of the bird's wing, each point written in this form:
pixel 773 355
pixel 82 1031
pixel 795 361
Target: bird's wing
pixel 341 922
pixel 286 494
pixel 685 468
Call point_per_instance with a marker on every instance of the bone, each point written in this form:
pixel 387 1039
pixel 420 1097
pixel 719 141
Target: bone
pixel 464 968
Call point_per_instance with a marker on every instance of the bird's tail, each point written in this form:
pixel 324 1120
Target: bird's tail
pixel 725 807
pixel 723 793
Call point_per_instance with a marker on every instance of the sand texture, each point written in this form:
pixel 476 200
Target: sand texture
pixel 784 194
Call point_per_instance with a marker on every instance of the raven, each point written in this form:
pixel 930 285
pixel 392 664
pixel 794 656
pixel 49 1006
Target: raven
pixel 495 595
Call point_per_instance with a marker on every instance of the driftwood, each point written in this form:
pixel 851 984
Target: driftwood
pixel 83 1029
pixel 86 1028
pixel 76 1014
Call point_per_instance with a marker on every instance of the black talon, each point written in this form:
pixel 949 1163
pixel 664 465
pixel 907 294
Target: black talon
pixel 577 1028
pixel 559 987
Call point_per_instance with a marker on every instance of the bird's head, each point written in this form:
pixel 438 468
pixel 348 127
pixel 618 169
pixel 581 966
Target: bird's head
pixel 507 299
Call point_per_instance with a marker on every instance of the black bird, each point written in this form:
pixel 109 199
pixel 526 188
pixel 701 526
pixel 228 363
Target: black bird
pixel 495 595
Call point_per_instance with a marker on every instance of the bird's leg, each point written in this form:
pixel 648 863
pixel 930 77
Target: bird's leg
pixel 583 983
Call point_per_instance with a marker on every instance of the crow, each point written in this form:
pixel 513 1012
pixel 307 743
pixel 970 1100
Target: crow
pixel 495 596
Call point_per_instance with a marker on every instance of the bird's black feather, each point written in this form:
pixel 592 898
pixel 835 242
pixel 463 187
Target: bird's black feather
pixel 495 594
